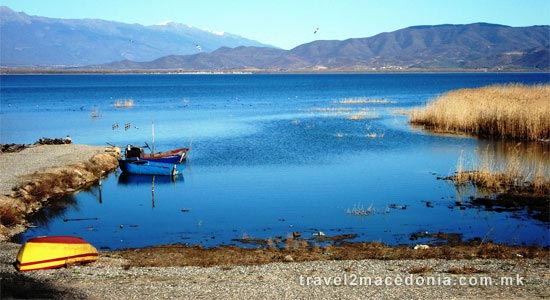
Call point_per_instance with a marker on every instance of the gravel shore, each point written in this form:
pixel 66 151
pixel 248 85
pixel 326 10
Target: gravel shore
pixel 32 176
pixel 109 279
pixel 15 166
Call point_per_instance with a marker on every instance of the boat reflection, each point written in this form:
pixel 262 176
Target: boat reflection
pixel 136 179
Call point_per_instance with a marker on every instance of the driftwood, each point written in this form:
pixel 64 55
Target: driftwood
pixel 55 141
pixel 12 148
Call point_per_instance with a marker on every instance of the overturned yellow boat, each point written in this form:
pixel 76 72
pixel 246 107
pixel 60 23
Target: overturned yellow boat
pixel 54 252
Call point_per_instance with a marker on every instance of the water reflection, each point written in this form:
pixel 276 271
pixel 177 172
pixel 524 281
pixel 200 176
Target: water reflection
pixel 56 207
pixel 146 180
pixel 134 179
pixel 521 181
pixel 524 159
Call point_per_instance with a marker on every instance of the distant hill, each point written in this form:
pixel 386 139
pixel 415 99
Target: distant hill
pixel 441 47
pixel 29 41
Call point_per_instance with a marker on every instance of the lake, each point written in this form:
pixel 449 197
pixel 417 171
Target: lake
pixel 270 155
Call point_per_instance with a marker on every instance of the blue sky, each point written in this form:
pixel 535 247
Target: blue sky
pixel 289 23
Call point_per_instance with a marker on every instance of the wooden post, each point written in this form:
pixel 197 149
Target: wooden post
pixel 153 130
pixel 153 192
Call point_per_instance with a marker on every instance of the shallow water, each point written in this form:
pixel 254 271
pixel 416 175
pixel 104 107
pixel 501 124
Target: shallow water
pixel 271 154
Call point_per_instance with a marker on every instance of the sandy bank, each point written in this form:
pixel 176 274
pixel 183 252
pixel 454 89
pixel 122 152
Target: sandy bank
pixel 30 177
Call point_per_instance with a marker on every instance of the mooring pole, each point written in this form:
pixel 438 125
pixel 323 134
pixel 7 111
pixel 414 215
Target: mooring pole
pixel 153 129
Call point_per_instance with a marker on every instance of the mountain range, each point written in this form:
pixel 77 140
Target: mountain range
pixel 442 47
pixel 30 41
pixel 92 44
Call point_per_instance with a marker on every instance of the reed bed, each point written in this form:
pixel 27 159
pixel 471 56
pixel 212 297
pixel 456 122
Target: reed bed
pixel 9 214
pixel 330 109
pixel 516 171
pixel 95 113
pixel 347 112
pixel 512 111
pixel 363 100
pixel 362 114
pixel 124 103
pixel 375 135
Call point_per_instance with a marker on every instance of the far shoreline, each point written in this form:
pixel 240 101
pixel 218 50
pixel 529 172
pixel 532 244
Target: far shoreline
pixel 46 71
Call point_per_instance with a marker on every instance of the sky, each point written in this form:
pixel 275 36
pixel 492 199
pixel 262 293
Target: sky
pixel 289 23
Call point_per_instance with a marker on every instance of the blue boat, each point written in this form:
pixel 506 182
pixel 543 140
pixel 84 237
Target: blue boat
pixel 175 156
pixel 145 167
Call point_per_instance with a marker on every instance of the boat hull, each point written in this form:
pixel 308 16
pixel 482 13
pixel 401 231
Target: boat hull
pixel 54 252
pixel 145 167
pixel 173 159
pixel 175 156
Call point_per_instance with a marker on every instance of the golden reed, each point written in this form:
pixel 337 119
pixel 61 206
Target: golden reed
pixel 513 111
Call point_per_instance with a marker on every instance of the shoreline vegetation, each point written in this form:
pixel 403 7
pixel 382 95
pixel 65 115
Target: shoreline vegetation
pixel 512 112
pixel 512 173
pixel 300 250
pixel 49 171
pixel 512 183
pixel 55 71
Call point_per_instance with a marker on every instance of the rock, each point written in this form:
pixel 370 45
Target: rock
pixel 289 258
pixel 296 234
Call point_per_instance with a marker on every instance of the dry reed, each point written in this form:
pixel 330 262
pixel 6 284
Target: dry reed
pixel 124 103
pixel 362 114
pixel 364 101
pixel 512 111
pixel 517 169
pixel 374 135
pixel 9 215
pixel 182 255
pixel 95 113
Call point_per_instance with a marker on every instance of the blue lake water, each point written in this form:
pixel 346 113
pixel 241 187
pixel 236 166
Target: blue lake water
pixel 271 154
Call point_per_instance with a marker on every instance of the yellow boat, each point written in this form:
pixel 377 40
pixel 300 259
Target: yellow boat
pixel 54 252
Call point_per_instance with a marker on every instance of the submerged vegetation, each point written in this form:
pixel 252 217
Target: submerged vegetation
pixel 124 103
pixel 508 178
pixel 513 111
pixel 363 100
pixel 354 109
pixel 362 114
pixel 298 250
pixel 518 170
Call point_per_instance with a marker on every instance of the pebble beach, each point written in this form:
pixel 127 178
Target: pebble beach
pixel 108 278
